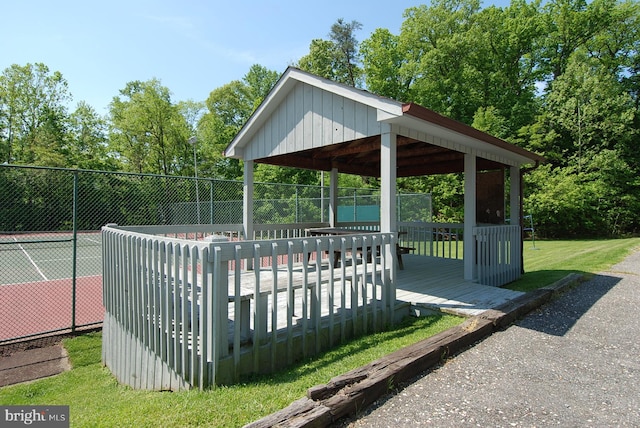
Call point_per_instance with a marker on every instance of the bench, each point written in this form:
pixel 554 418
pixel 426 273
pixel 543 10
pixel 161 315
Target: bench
pixel 400 251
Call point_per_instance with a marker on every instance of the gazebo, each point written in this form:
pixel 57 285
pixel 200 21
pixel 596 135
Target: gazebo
pixel 310 122
pixel 183 312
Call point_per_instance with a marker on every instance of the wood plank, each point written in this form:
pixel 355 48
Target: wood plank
pixel 439 283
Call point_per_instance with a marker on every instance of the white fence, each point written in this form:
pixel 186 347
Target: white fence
pixel 499 254
pixel 442 240
pixel 183 313
pixel 498 247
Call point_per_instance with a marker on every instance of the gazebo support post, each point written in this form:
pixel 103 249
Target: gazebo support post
pixel 469 250
pixel 247 200
pixel 515 205
pixel 388 175
pixel 514 196
pixel 388 217
pixel 333 197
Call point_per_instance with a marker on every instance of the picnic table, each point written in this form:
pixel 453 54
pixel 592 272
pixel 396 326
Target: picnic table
pixel 337 231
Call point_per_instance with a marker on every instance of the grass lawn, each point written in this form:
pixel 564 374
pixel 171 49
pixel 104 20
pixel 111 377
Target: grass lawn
pixel 550 261
pixel 97 400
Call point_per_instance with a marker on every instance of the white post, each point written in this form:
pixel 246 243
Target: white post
pixel 388 175
pixel 516 215
pixel 333 197
pixel 388 223
pixel 514 195
pixel 247 200
pixel 470 171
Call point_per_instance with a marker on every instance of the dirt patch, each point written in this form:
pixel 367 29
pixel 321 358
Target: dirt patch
pixel 33 361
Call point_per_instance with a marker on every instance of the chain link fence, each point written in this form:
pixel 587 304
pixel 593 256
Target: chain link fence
pixel 50 221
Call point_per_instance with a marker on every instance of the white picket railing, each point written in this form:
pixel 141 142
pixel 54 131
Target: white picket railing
pixel 442 240
pixel 184 313
pixel 499 260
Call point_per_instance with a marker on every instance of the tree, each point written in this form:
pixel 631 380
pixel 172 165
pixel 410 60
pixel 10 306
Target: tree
pixel 438 45
pixel 32 114
pixel 338 58
pixel 147 130
pixel 589 111
pixel 601 198
pixel 570 25
pixel 259 81
pixel 87 141
pixel 489 120
pixel 192 112
pixel 228 108
pixel 342 35
pixel 383 58
pixel 505 60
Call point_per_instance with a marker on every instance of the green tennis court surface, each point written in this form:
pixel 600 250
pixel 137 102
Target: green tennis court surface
pixel 27 258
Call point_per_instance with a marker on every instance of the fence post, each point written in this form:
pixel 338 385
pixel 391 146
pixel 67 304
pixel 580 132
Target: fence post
pixel 211 196
pixel 297 204
pixel 75 250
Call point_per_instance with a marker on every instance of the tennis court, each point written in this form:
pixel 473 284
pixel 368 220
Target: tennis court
pixel 37 287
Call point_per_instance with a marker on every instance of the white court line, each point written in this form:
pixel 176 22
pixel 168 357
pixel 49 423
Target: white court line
pixel 31 260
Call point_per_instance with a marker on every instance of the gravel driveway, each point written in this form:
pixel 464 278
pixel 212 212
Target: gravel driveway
pixel 573 363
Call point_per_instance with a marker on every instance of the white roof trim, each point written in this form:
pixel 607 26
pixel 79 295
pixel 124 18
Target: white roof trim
pixel 451 139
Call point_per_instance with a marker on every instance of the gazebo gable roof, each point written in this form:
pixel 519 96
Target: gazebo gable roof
pixel 315 111
pixel 310 122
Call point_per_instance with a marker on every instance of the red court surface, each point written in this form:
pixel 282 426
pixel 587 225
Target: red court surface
pixel 40 307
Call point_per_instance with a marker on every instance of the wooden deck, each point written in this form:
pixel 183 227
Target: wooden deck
pixel 439 284
pixel 425 282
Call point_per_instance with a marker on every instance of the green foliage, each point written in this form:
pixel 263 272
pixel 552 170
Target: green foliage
pixel 490 121
pixel 439 48
pixel 336 59
pixel 383 57
pixel 447 194
pixel 588 111
pixel 88 143
pixel 147 130
pixel 600 200
pixel 32 115
pixel 228 108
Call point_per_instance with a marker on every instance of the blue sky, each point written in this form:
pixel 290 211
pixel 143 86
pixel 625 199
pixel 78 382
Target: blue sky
pixel 191 46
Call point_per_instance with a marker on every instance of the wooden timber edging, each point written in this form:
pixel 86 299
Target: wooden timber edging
pixel 355 390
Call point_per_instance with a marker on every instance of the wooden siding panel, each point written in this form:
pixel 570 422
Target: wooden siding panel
pixel 373 125
pixel 265 137
pixel 297 118
pixel 317 117
pixel 327 115
pixel 337 116
pixel 282 127
pixel 349 119
pixel 307 117
pixel 261 141
pixel 274 135
pixel 290 122
pixel 360 127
